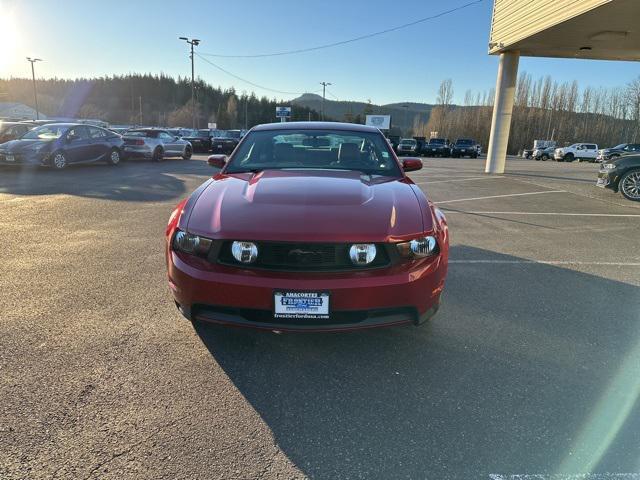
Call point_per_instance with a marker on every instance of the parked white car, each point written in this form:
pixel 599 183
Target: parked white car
pixel 577 151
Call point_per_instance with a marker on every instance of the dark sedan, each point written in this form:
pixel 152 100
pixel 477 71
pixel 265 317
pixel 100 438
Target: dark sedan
pixel 622 175
pixel 59 144
pixel 13 130
pixel 617 151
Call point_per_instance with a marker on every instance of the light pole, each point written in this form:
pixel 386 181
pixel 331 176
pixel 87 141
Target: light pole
pixel 33 76
pixel 193 42
pixel 324 87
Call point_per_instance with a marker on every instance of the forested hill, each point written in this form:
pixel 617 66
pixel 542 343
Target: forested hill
pixel 146 99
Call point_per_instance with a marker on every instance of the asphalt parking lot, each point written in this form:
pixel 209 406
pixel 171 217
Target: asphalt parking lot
pixel 532 365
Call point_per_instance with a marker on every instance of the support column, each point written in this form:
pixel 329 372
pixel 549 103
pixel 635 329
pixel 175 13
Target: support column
pixel 502 111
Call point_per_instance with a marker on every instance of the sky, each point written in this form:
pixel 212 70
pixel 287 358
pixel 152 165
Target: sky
pixel 85 38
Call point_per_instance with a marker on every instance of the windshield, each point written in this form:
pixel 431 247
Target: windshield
pixel 367 152
pixel 438 141
pixel 407 141
pixel 202 133
pixel 619 147
pixel 464 141
pixel 46 132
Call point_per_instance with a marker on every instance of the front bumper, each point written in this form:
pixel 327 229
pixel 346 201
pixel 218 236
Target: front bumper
pixel 436 151
pixel 463 152
pixel 7 158
pixel 608 179
pixel 402 294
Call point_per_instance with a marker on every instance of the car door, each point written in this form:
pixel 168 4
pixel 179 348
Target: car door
pixel 99 146
pixel 171 146
pixel 77 144
pixel 591 150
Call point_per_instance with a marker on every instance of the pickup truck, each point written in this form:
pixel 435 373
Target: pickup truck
pixel 577 151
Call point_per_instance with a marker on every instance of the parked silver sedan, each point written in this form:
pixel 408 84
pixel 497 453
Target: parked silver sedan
pixel 155 144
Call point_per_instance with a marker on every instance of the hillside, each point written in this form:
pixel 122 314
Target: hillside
pixel 403 118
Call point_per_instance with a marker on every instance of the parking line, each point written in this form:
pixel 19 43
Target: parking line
pixel 547 262
pixel 499 196
pixel 462 180
pixel 560 214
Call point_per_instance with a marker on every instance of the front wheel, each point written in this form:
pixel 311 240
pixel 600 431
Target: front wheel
pixel 114 157
pixel 545 158
pixel 568 158
pixel 187 153
pixel 629 185
pixel 59 161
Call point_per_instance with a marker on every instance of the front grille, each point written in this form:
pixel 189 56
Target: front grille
pixel 304 256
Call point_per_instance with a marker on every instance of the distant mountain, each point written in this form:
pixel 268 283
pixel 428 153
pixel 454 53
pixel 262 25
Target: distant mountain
pixel 401 117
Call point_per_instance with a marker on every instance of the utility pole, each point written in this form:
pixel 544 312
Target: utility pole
pixel 193 42
pixel 35 90
pixel 246 101
pixel 140 106
pixel 324 87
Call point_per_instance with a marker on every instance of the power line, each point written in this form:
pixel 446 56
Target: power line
pixel 350 40
pixel 245 80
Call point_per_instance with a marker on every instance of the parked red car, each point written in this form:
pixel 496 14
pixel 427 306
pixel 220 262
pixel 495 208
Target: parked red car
pixel 308 226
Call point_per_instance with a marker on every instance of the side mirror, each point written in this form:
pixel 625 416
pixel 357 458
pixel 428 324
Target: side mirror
pixel 177 137
pixel 411 164
pixel 218 161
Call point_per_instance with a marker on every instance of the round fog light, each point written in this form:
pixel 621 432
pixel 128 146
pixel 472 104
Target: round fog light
pixel 244 252
pixel 362 253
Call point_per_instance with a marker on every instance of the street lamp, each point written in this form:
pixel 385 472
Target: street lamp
pixel 193 42
pixel 324 86
pixel 33 77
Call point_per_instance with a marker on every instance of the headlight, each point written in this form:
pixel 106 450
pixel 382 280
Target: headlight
pixel 420 247
pixel 362 253
pixel 191 244
pixel 244 252
pixel 608 166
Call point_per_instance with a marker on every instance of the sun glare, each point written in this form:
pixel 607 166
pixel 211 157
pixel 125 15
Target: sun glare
pixel 9 40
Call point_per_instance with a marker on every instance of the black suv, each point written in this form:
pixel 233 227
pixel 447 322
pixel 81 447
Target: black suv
pixel 225 141
pixel 464 147
pixel 201 140
pixel 437 147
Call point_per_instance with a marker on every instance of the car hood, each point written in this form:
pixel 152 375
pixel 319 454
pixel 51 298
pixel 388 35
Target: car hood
pixel 318 205
pixel 21 145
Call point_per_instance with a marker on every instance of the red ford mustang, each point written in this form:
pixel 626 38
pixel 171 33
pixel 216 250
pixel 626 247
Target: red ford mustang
pixel 308 226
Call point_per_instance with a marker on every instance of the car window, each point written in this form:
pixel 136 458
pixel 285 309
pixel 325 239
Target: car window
pixel 591 147
pixel 79 132
pixel 96 132
pixel 165 136
pixel 46 132
pixel 367 152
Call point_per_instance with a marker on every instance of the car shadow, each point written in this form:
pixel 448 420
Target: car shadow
pixel 132 181
pixel 512 376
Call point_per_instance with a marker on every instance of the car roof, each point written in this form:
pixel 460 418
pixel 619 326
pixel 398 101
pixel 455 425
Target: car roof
pixel 64 124
pixel 353 127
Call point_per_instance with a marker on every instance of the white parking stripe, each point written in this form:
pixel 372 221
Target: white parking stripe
pixel 546 262
pixel 560 214
pixel 499 196
pixel 461 180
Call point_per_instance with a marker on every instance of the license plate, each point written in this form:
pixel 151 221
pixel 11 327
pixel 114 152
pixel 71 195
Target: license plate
pixel 301 305
pixel 463 150
pixel 219 146
pixel 433 149
pixel 11 158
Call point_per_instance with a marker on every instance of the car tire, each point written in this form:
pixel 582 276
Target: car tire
pixel 187 153
pixel 59 160
pixel 114 157
pixel 568 157
pixel 629 185
pixel 537 159
pixel 544 158
pixel 158 155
